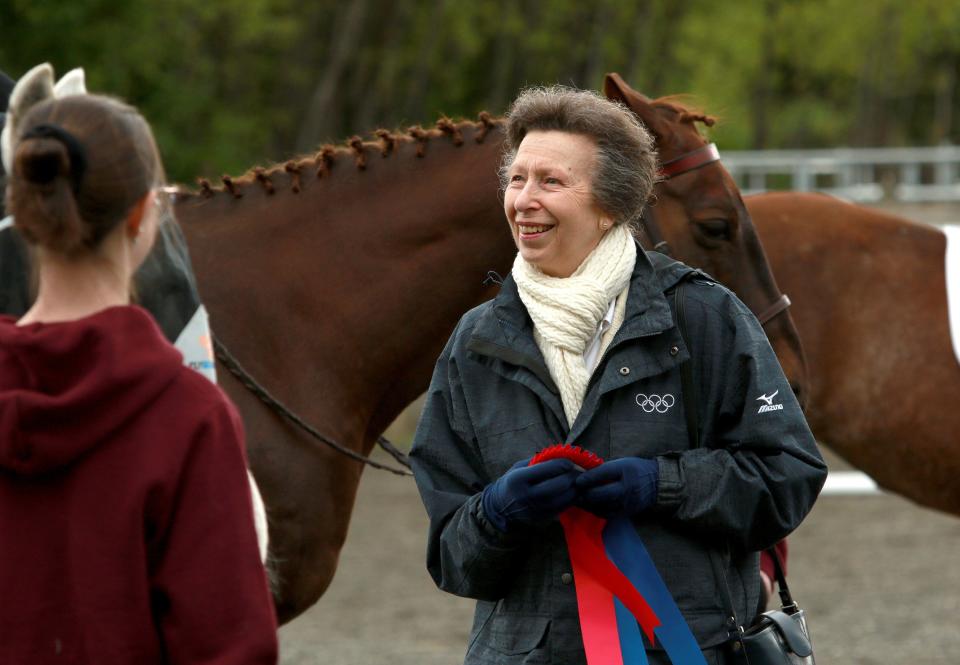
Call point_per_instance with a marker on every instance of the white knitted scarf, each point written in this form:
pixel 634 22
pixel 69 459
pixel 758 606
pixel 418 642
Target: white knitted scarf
pixel 567 311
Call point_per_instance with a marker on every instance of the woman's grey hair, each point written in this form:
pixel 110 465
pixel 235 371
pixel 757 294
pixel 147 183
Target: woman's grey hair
pixel 626 167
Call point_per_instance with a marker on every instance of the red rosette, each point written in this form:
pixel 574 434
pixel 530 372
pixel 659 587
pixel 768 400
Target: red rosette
pixel 582 458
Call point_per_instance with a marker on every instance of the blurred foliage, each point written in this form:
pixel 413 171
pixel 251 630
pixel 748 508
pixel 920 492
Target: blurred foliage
pixel 228 84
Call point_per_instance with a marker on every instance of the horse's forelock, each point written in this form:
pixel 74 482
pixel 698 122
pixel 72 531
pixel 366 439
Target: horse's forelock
pixel 684 110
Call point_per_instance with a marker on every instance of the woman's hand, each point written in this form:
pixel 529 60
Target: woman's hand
pixel 626 486
pixel 527 495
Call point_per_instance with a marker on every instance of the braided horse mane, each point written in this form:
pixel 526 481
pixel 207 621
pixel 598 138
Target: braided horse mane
pixel 320 164
pixel 386 142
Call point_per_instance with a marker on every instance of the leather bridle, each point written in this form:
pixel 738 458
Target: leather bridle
pixel 695 159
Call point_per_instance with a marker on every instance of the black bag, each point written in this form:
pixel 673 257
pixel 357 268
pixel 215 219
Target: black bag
pixel 777 637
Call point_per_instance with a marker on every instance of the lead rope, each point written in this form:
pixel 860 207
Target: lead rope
pixel 235 368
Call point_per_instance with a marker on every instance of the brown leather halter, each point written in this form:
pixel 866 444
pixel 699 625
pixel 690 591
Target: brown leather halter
pixel 695 159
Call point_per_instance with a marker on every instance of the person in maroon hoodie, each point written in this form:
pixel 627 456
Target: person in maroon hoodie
pixel 126 526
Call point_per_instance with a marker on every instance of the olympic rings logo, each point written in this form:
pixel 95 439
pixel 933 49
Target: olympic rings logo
pixel 651 403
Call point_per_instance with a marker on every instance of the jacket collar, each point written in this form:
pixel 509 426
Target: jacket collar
pixel 505 331
pixel 506 323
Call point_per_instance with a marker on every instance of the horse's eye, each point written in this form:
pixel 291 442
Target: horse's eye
pixel 715 229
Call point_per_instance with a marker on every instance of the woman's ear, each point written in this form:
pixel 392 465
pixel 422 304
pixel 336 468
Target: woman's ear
pixel 133 224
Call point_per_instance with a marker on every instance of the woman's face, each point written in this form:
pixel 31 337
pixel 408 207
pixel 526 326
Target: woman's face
pixel 549 204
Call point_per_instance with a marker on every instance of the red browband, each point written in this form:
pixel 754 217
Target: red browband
pixel 692 160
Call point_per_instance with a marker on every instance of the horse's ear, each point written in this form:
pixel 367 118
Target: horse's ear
pixel 71 83
pixel 616 89
pixel 33 87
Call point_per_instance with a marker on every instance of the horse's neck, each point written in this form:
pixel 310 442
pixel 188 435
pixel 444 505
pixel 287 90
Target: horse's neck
pixel 343 294
pixel 860 280
pixel 846 244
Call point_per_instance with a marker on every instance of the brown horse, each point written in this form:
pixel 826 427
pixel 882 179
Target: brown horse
pixel 335 280
pixel 870 303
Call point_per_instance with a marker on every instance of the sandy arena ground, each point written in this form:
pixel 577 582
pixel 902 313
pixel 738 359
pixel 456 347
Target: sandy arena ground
pixel 878 576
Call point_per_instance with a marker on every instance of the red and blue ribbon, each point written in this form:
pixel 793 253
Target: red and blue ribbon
pixel 619 591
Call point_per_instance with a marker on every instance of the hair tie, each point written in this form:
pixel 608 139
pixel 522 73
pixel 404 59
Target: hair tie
pixel 75 149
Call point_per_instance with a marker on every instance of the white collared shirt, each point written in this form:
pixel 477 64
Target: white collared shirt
pixel 591 356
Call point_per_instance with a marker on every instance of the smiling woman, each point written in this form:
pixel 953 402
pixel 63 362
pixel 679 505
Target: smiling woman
pixel 581 327
pixel 554 218
pixel 570 172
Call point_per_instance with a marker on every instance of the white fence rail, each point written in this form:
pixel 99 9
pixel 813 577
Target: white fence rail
pixel 849 483
pixel 859 174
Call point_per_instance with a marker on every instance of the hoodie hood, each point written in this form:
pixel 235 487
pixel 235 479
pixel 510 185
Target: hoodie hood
pixel 66 387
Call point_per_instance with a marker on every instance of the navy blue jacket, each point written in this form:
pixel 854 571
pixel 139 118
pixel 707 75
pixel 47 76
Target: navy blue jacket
pixel 492 402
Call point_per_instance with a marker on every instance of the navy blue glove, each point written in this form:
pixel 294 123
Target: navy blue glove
pixel 625 486
pixel 527 495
